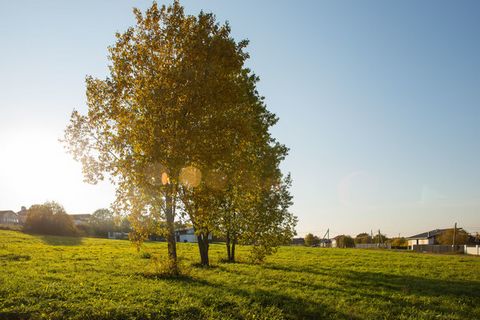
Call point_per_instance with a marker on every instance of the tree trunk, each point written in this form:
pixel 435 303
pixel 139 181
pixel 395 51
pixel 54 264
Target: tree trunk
pixel 232 254
pixel 203 248
pixel 227 242
pixel 170 217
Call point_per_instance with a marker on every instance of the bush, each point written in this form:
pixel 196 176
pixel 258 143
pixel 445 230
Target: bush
pixel 311 240
pixel 344 241
pixel 49 218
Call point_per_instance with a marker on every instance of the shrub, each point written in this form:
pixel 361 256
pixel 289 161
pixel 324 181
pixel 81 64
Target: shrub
pixel 49 218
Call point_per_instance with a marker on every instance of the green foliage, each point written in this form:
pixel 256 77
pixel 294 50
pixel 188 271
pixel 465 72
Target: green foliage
pixel 446 237
pixel 49 218
pixel 311 240
pixel 399 242
pixel 345 241
pixel 105 279
pixel 103 221
pixel 363 238
pixel 379 238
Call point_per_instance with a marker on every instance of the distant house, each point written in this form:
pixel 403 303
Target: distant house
pixel 79 219
pixel 117 235
pixel 188 235
pixel 334 242
pixel 325 243
pixel 429 237
pixel 8 217
pixel 298 241
pixel 22 215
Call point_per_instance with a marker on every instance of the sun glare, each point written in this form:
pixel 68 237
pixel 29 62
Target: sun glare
pixel 36 168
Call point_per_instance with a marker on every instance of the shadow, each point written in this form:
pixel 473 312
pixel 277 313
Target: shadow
pixel 391 282
pixel 291 307
pixel 198 265
pixel 262 303
pixel 418 285
pixel 60 240
pixel 464 293
pixel 303 269
pixel 389 293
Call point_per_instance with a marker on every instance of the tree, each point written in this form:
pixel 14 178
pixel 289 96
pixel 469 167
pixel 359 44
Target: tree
pixel 446 237
pixel 177 106
pixel 363 238
pixel 311 240
pixel 399 242
pixel 379 238
pixel 101 222
pixel 49 218
pixel 272 223
pixel 345 241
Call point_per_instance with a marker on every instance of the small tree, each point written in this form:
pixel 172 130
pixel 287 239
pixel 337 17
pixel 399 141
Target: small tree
pixel 311 240
pixel 101 222
pixel 399 242
pixel 49 218
pixel 379 238
pixel 363 238
pixel 345 241
pixel 446 237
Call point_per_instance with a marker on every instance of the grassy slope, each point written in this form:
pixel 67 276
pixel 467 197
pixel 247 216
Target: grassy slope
pixel 55 277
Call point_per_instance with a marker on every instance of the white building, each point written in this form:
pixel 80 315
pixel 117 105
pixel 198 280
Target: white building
pixel 79 219
pixel 424 238
pixel 188 235
pixel 8 217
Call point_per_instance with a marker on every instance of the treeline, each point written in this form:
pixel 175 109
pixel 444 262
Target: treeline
pixel 103 221
pixel 345 241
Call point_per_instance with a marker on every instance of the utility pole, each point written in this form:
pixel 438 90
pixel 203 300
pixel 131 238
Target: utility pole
pixel 454 235
pixel 371 236
pixel 379 236
pixel 327 234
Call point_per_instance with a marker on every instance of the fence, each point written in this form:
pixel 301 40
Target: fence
pixel 472 250
pixel 436 248
pixel 373 245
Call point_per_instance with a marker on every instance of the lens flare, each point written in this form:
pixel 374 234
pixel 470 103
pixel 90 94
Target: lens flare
pixel 165 178
pixel 190 177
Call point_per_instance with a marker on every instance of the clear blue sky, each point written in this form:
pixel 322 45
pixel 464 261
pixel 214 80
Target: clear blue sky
pixel 379 102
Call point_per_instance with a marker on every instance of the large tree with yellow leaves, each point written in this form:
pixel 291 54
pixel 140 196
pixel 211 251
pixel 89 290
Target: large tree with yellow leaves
pixel 176 111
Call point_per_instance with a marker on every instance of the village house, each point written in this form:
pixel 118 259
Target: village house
pixel 298 241
pixel 8 217
pixel 117 235
pixel 325 243
pixel 22 215
pixel 188 235
pixel 79 219
pixel 429 237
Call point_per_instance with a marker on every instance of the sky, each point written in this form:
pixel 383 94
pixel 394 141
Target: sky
pixel 379 103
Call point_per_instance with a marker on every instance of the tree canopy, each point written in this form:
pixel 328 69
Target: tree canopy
pixel 176 122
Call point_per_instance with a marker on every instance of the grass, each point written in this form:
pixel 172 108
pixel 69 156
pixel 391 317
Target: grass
pixel 81 278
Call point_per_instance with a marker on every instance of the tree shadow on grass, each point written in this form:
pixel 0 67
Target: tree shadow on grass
pixel 403 283
pixel 291 307
pixel 257 300
pixel 399 289
pixel 416 285
pixel 60 240
pixel 303 269
pixel 390 293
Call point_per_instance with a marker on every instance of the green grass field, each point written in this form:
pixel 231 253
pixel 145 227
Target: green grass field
pixel 58 278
